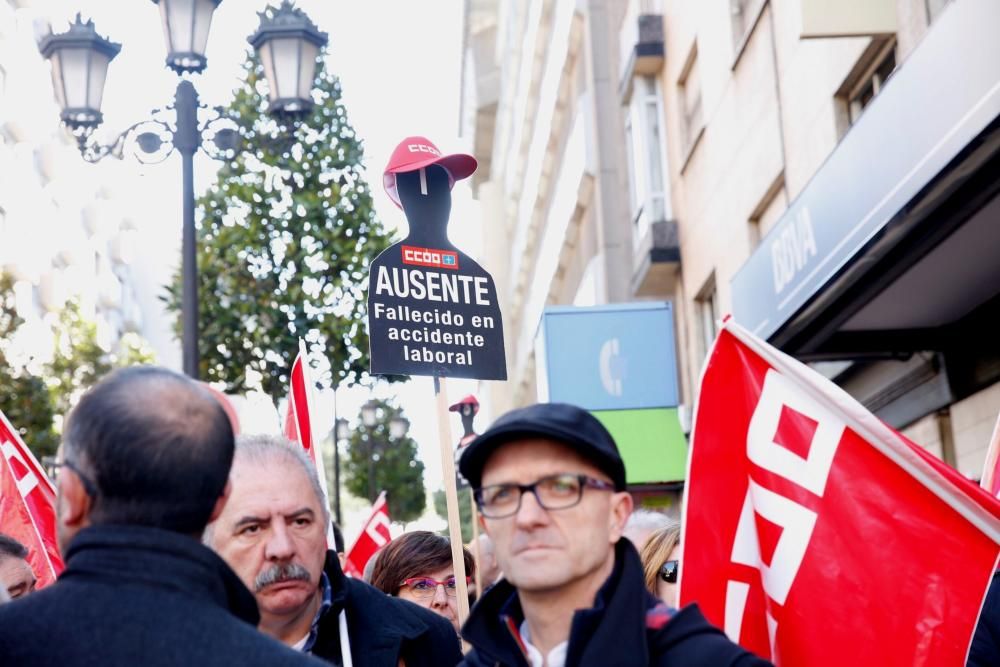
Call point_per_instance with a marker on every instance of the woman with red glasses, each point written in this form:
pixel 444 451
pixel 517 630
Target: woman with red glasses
pixel 417 567
pixel 661 563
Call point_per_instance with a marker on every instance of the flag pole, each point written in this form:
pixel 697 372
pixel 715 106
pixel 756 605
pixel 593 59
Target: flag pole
pixel 336 455
pixel 451 495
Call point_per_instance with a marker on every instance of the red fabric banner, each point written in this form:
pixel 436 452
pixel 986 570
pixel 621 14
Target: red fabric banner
pixel 816 535
pixel 373 537
pixel 297 419
pixel 27 505
pixel 298 424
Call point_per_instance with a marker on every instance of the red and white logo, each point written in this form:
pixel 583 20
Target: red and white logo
pixel 423 148
pixel 27 505
pixel 438 259
pixel 804 514
pixel 374 535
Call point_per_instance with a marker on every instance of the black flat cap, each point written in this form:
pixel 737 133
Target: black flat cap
pixel 568 424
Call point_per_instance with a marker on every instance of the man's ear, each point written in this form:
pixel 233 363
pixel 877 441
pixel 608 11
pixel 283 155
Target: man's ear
pixel 220 503
pixel 621 508
pixel 75 503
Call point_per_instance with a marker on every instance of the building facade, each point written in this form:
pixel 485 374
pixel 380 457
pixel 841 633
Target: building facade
pixel 824 172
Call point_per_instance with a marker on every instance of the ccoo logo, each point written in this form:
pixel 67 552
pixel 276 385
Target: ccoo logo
pixel 423 148
pixel 438 259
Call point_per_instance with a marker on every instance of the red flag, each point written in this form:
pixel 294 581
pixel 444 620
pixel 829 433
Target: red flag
pixel 373 537
pixel 298 423
pixel 297 420
pixel 27 505
pixel 816 535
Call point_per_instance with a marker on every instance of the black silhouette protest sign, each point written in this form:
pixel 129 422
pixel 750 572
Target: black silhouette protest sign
pixel 432 310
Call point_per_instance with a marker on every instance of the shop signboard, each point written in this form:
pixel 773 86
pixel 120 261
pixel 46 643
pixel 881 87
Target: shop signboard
pixel 619 361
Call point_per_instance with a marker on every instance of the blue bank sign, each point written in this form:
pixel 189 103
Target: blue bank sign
pixel 944 95
pixel 614 357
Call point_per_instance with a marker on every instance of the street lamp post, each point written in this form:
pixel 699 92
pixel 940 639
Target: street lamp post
pixel 288 45
pixel 398 427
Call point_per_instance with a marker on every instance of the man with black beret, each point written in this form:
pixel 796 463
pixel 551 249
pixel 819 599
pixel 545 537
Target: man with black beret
pixel 550 486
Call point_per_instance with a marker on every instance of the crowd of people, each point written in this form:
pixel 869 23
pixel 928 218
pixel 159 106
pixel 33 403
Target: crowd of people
pixel 186 546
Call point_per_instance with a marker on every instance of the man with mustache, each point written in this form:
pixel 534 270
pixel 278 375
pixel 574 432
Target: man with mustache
pixel 272 532
pixel 550 486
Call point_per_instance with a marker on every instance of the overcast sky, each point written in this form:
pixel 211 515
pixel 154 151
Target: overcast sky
pixel 399 64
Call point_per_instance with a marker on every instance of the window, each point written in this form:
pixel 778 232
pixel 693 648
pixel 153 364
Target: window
pixel 707 310
pixel 644 145
pixel 689 96
pixel 871 82
pixel 743 14
pixel 768 212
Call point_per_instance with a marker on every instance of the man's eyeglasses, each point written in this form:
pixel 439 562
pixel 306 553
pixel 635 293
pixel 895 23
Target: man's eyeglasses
pixel 669 571
pixel 425 587
pixel 51 465
pixel 555 492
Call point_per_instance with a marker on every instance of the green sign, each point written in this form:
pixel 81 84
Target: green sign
pixel 650 441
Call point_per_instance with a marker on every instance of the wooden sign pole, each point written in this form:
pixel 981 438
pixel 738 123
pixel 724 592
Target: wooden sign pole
pixel 451 495
pixel 477 549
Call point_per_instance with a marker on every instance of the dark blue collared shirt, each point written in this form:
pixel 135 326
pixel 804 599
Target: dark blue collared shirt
pixel 324 606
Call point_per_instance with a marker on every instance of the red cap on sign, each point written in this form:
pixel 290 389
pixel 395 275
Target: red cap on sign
pixel 415 153
pixel 468 400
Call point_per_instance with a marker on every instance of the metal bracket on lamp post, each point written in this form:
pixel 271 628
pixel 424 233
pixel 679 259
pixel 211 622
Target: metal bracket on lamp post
pixel 80 58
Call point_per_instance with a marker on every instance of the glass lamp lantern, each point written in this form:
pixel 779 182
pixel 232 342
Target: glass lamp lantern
pixel 398 426
pixel 288 44
pixel 79 59
pixel 342 431
pixel 185 27
pixel 369 413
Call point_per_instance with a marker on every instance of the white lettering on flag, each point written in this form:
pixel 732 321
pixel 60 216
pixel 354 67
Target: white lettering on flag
pixel 374 529
pixel 26 484
pixel 810 471
pixel 792 452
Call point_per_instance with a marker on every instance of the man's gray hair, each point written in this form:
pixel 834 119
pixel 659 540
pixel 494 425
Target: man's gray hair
pixel 264 449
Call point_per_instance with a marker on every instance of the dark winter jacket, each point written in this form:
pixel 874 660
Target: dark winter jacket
pixel 985 650
pixel 626 627
pixel 382 629
pixel 139 596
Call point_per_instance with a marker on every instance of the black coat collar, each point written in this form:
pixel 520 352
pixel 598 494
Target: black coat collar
pixel 377 623
pixel 161 559
pixel 612 630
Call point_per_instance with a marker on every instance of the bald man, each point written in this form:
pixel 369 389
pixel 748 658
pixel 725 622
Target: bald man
pixel 146 457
